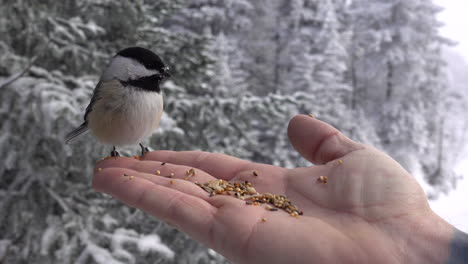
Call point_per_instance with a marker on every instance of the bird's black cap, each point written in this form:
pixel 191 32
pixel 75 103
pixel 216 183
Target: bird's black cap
pixel 146 57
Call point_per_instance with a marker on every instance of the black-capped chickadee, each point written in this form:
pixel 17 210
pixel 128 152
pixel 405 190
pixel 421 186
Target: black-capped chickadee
pixel 127 104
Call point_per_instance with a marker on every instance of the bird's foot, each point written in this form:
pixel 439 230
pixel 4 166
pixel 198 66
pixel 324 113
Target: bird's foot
pixel 144 150
pixel 114 153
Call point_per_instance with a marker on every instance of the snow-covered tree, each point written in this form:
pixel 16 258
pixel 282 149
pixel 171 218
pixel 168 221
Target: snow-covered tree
pixel 49 212
pixel 219 23
pixel 241 70
pixel 398 77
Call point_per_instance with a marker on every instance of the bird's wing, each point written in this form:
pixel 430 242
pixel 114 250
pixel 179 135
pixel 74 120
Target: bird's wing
pixel 96 96
pixel 70 137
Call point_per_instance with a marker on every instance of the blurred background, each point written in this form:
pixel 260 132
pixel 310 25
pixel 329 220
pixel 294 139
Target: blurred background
pixel 385 72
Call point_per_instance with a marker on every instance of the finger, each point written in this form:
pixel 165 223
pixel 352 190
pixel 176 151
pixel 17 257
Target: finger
pixel 216 164
pixel 317 141
pixel 157 168
pixel 182 185
pixel 156 172
pixel 187 212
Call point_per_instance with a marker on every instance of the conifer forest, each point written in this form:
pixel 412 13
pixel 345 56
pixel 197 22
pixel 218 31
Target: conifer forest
pixel 241 70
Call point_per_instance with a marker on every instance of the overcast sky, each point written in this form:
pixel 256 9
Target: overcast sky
pixel 455 18
pixel 452 207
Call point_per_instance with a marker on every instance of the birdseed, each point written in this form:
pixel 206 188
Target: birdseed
pixel 99 169
pixel 255 173
pixel 162 164
pixel 191 172
pixel 323 179
pixel 158 172
pixel 245 191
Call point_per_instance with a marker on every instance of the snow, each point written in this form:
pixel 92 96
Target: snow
pixel 270 62
pixel 153 243
pixel 456 22
pixel 109 221
pixel 101 255
pixel 145 243
pixel 4 244
pixel 452 207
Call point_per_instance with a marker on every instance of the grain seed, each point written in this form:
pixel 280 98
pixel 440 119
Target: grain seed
pixel 245 191
pixel 323 179
pixel 158 172
pixel 190 172
pixel 162 164
pixel 99 169
pixel 251 190
pixel 255 173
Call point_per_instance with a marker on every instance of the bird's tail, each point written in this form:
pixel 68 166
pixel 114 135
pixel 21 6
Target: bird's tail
pixel 70 137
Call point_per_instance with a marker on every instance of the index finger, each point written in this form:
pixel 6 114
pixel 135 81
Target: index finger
pixel 218 165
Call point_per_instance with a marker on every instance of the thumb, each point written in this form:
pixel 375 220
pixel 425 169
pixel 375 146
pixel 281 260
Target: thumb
pixel 317 141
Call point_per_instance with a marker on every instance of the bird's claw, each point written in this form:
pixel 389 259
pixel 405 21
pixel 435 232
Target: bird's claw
pixel 144 150
pixel 114 153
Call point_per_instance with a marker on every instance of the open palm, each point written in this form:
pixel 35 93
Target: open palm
pixel 365 213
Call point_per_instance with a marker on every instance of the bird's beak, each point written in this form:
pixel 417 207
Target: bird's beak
pixel 165 72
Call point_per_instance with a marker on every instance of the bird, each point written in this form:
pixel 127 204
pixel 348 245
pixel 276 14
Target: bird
pixel 126 105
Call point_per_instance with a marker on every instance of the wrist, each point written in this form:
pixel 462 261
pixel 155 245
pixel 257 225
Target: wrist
pixel 430 241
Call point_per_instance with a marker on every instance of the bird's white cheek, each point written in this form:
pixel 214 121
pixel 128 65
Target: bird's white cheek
pixel 123 68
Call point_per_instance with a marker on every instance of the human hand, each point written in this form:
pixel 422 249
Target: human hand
pixel 370 211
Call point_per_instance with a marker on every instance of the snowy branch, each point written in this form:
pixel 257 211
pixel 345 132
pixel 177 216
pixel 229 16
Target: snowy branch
pixel 18 75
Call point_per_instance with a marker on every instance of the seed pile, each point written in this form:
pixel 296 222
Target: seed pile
pixel 245 191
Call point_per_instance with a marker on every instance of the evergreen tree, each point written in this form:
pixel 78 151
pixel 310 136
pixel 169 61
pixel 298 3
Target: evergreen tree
pixel 241 70
pixel 398 76
pixel 49 213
